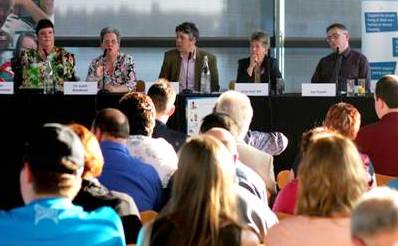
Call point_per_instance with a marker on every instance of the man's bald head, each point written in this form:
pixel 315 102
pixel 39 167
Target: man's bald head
pixel 112 122
pixel 225 137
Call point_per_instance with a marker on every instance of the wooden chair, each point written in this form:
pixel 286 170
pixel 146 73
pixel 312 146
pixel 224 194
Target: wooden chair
pixel 283 178
pixel 148 216
pixel 282 216
pixel 383 179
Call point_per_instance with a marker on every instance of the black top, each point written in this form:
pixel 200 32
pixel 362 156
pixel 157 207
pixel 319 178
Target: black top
pixel 269 64
pixel 168 230
pixel 350 64
pixel 175 138
pixel 93 195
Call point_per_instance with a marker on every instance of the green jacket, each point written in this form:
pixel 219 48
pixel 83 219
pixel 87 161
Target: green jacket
pixel 172 63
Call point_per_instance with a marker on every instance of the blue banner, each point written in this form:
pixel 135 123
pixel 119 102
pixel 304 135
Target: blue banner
pixel 379 69
pixel 395 47
pixel 381 22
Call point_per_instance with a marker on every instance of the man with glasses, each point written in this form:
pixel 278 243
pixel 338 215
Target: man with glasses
pixel 344 63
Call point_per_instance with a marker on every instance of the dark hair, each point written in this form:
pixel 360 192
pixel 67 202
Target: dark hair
pixel 221 120
pixel 387 90
pixel 43 23
pixel 112 122
pixel 140 112
pixel 162 95
pixel 338 26
pixel 21 37
pixel 107 30
pixel 190 29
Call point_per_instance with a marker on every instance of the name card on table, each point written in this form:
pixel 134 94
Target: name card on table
pixel 80 88
pixel 174 85
pixel 6 88
pixel 318 90
pixel 252 89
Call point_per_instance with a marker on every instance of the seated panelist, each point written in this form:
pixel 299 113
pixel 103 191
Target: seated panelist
pixel 45 67
pixel 113 70
pixel 259 67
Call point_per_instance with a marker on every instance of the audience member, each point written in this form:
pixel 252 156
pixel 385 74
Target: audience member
pixel 202 209
pixel 379 140
pixel 247 177
pixel 345 119
pixel 286 200
pixel 123 172
pixel 93 194
pixel 163 97
pixel 260 67
pixel 238 107
pixel 113 70
pixel 374 220
pixel 253 211
pixel 34 66
pixel 50 179
pixel 344 63
pixel 157 152
pixel 331 179
pixel 184 63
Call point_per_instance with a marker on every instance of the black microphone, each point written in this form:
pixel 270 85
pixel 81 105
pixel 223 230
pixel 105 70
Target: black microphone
pixel 186 90
pixel 337 71
pixel 103 69
pixel 271 87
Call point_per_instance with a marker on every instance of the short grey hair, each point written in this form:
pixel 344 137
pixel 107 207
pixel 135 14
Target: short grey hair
pixel 107 30
pixel 237 106
pixel 262 37
pixel 375 213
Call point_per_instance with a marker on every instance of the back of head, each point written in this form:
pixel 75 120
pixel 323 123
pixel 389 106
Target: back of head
pixel 387 90
pixel 112 122
pixel 225 137
pixel 163 95
pixel 331 177
pixel 190 29
pixel 237 106
pixel 220 120
pixel 55 156
pixel 376 213
pixel 203 189
pixel 93 159
pixel 343 118
pixel 140 112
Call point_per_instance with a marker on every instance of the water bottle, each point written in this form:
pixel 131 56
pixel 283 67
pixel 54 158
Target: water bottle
pixel 205 76
pixel 48 83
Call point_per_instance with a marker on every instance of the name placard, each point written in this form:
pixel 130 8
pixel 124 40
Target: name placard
pixel 174 85
pixel 318 90
pixel 6 88
pixel 252 89
pixel 80 88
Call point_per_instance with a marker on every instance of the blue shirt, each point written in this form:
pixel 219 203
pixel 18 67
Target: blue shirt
pixel 56 221
pixel 122 172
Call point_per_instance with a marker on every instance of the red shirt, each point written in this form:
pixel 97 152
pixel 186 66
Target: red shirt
pixel 380 142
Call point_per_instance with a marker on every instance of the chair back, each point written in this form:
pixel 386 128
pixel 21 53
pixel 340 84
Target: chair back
pixel 283 178
pixel 148 216
pixel 383 179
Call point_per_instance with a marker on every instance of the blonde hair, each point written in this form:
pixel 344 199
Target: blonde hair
pixel 331 177
pixel 203 191
pixel 237 106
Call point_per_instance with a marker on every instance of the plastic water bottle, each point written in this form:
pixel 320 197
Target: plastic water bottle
pixel 48 83
pixel 205 76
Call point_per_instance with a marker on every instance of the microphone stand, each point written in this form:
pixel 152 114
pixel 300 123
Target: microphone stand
pixel 337 72
pixel 186 90
pixel 103 70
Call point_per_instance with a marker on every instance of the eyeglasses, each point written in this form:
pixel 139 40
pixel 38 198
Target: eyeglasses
pixel 334 36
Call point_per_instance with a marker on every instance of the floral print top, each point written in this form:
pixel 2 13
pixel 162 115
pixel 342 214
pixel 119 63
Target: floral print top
pixel 38 73
pixel 123 74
